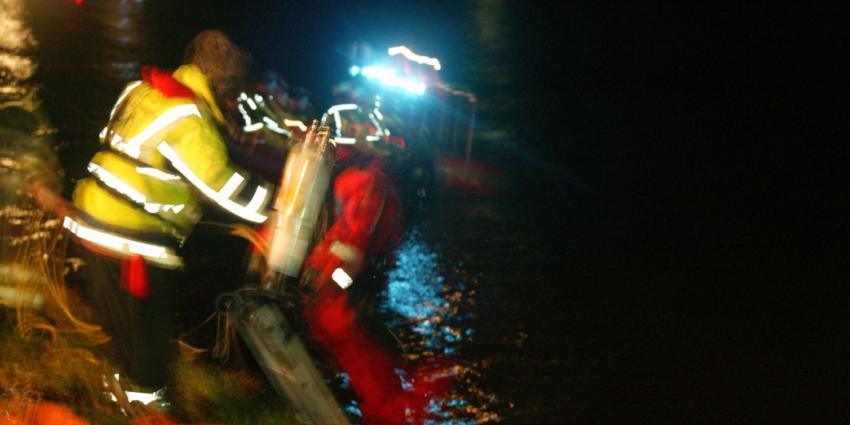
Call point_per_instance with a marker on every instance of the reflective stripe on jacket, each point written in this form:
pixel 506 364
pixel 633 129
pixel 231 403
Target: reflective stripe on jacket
pixel 162 148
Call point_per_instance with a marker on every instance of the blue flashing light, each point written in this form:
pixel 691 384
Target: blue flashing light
pixel 354 70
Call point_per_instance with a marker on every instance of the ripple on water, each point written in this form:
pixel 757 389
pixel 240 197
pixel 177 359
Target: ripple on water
pixel 429 301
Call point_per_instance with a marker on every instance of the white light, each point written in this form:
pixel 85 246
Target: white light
pixel 244 212
pixel 345 140
pixel 160 255
pixel 354 70
pixel 388 77
pixel 404 51
pixel 342 278
pixel 373 138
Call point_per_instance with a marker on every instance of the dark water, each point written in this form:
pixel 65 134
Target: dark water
pixel 643 260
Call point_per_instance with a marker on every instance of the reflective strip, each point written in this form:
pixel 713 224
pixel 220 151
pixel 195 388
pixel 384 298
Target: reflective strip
pixel 272 125
pixel 253 127
pixel 347 253
pixel 342 107
pixel 130 87
pixel 342 278
pixel 157 173
pixel 157 254
pixel 334 110
pixel 117 141
pixel 232 184
pixel 114 182
pixel 258 200
pixel 295 123
pixel 345 140
pixel 134 145
pixel 249 212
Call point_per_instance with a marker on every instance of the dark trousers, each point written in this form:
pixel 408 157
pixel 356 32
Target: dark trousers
pixel 140 328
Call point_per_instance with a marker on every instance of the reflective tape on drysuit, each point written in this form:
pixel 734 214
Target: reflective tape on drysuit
pixel 159 255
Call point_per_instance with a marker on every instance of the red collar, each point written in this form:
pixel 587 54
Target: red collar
pixel 165 83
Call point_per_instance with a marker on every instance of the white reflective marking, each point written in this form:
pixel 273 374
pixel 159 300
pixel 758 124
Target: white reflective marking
pixel 253 127
pixel 144 398
pixel 229 205
pixel 258 200
pixel 406 52
pixel 375 121
pixel 244 113
pixel 155 253
pixel 119 186
pixel 345 140
pixel 342 107
pixel 342 278
pixel 117 141
pixel 378 113
pixel 295 123
pixel 251 104
pixel 114 182
pixel 232 184
pixel 272 125
pixel 130 87
pixel 338 124
pixel 156 173
pixel 373 138
pixel 165 119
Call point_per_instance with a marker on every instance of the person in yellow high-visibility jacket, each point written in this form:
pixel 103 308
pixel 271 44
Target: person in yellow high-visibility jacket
pixel 162 155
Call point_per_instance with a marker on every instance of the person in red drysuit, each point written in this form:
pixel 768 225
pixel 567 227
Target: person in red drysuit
pixel 368 221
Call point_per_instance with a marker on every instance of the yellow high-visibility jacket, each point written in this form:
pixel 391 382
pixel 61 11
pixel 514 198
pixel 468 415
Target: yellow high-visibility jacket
pixel 161 154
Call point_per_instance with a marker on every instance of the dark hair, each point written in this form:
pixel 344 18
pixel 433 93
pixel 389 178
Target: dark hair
pixel 223 63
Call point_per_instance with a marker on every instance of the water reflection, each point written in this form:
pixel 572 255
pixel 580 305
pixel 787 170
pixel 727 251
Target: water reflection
pixel 16 41
pixel 431 305
pixel 125 36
